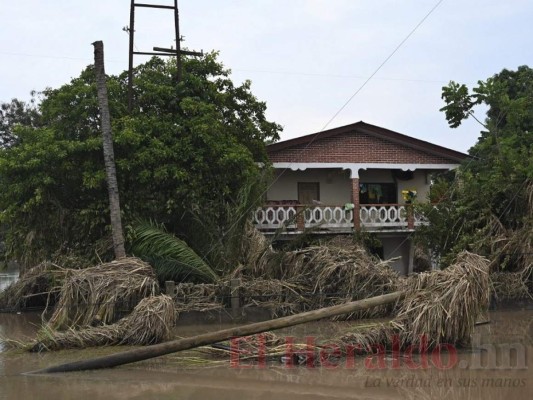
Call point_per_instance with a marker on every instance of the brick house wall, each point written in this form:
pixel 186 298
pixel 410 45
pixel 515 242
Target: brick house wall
pixel 355 147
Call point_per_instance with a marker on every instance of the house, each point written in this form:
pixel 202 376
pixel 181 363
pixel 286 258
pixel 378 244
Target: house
pixel 355 177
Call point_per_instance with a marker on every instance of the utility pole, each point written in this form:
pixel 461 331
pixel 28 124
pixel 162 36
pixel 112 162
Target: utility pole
pixel 178 38
pixel 157 51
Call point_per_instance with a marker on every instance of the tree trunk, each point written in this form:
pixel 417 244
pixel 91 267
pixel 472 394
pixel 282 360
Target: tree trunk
pixel 173 346
pixel 109 157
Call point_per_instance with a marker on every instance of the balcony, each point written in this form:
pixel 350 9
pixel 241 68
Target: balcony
pixel 335 218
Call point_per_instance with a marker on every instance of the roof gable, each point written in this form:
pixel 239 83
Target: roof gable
pixel 361 143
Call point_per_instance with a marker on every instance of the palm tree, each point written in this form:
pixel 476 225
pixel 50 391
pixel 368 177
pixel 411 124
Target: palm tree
pixel 109 157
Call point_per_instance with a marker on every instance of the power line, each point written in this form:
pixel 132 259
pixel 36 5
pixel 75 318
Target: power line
pixel 363 85
pixel 381 65
pixel 342 76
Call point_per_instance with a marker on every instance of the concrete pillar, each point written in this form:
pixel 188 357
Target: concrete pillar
pixel 355 201
pixel 410 216
pixel 300 218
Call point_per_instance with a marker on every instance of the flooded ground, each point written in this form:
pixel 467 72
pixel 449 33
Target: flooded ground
pixel 497 368
pixel 475 374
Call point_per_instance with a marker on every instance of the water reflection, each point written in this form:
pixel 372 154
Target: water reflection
pixel 7 278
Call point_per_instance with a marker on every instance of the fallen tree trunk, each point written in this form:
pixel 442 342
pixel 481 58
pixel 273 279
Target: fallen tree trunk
pixel 157 350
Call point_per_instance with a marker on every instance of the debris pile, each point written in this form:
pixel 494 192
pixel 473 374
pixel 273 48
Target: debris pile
pixel 296 281
pixel 97 294
pixel 149 323
pixel 439 307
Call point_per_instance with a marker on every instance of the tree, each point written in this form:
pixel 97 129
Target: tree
pixel 15 113
pixel 488 202
pixel 185 150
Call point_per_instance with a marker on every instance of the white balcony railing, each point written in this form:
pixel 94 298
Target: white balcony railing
pixel 383 215
pixel 334 218
pixel 274 217
pixel 328 217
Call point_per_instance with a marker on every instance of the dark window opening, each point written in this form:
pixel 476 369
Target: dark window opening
pixel 378 193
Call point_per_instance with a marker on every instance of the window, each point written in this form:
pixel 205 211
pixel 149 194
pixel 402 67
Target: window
pixel 378 193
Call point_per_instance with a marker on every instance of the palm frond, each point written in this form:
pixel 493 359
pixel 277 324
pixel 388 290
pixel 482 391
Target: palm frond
pixel 171 257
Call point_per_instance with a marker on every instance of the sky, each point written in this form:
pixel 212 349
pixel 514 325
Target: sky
pixel 305 58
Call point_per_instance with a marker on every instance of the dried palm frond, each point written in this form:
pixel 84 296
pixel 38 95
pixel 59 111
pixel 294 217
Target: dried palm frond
pixel 199 297
pixel 301 280
pixel 335 273
pixel 256 252
pixel 512 248
pixel 421 260
pixel 150 322
pixel 444 305
pixel 98 293
pixel 281 298
pixel 439 307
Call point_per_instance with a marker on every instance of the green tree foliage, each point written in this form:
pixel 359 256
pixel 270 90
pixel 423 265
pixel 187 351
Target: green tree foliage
pixel 487 203
pixel 185 149
pixel 15 113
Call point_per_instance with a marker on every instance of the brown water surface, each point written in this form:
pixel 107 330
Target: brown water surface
pixel 476 375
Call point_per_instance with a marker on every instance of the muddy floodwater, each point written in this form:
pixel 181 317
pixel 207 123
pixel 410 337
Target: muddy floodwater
pixel 496 368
